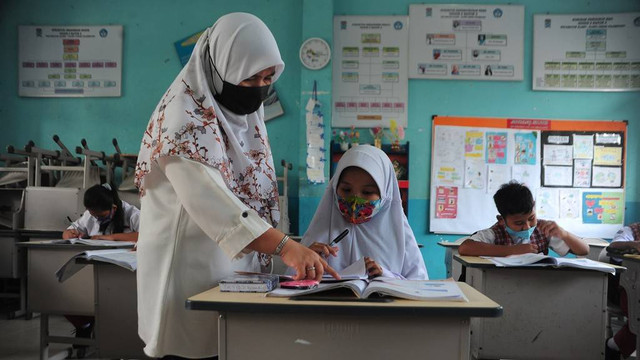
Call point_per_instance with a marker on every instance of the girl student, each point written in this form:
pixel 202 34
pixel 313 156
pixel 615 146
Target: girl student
pixel 106 218
pixel 363 197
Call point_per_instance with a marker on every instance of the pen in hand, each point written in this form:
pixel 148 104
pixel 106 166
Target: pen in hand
pixel 80 233
pixel 339 237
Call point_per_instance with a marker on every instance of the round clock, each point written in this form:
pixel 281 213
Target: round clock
pixel 315 53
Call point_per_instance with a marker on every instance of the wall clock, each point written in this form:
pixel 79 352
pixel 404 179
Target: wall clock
pixel 315 53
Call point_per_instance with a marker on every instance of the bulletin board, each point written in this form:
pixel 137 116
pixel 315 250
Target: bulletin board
pixel 466 42
pixel 575 170
pixel 70 60
pixel 370 81
pixel 586 52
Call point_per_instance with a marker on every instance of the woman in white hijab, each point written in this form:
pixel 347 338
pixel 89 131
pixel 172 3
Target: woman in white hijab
pixel 363 197
pixel 208 187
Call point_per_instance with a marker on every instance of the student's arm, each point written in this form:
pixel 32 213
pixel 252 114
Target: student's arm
pixel 476 248
pixel 552 229
pixel 130 236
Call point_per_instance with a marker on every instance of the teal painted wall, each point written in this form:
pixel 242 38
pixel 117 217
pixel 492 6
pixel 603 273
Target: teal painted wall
pixel 150 64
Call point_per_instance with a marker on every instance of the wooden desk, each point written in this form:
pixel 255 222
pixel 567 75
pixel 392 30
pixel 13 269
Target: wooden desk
pixel 630 280
pixel 252 326
pixel 549 313
pixel 49 297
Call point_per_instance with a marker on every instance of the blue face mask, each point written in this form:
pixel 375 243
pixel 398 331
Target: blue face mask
pixel 523 234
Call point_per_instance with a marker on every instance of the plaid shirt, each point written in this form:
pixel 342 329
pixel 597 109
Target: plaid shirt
pixel 635 229
pixel 503 238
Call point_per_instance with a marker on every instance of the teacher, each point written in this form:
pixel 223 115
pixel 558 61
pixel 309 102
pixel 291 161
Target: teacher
pixel 208 188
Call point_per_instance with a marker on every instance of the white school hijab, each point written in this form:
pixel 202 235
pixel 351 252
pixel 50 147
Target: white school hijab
pixel 387 238
pixel 188 122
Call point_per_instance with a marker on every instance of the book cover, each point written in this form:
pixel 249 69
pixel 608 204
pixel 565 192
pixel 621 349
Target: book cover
pixel 249 283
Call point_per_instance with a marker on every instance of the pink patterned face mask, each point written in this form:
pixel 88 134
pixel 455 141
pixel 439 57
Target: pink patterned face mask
pixel 357 210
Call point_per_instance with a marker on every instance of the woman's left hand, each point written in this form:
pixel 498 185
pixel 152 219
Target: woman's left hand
pixel 373 269
pixel 101 237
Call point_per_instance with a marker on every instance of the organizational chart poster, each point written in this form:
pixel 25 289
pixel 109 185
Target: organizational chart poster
pixel 586 52
pixel 370 82
pixel 466 42
pixel 70 61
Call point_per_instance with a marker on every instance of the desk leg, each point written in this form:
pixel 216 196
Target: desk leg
pixel 44 342
pixel 222 336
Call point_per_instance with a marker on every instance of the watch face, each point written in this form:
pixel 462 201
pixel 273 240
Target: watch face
pixel 315 53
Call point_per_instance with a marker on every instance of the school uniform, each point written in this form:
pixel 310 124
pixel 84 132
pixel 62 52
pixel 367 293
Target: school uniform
pixel 89 225
pixel 386 238
pixel 497 235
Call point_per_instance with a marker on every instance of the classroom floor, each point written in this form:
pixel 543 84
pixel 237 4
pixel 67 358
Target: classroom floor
pixel 19 338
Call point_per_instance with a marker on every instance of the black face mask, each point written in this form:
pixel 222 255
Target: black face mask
pixel 241 100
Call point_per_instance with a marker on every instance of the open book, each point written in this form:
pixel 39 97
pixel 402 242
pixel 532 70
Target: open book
pixel 93 242
pixel 545 260
pixel 357 270
pixel 428 290
pixel 122 257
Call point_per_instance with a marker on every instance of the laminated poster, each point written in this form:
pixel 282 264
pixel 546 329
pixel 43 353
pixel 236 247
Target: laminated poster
pixel 602 207
pixel 496 148
pixel 473 145
pixel 525 148
pixel 446 202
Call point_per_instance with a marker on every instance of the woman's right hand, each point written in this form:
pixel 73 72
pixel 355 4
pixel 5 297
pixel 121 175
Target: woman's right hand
pixel 307 263
pixel 324 250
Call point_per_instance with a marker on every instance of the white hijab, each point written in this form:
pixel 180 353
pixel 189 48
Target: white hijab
pixel 188 122
pixel 387 238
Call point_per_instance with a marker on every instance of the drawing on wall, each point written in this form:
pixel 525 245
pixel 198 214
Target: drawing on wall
pixel 583 146
pixel 496 176
pixel 602 207
pixel 569 203
pixel 496 147
pixel 607 155
pixel 607 176
pixel 547 203
pixel 525 148
pixel 473 145
pixel 474 174
pixel 582 173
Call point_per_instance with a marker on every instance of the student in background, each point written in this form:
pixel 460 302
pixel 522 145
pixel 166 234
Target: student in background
pixel 518 231
pixel 106 218
pixel 363 196
pixel 208 187
pixel 623 342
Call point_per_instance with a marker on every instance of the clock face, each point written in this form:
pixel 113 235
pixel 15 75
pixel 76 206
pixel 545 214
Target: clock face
pixel 315 53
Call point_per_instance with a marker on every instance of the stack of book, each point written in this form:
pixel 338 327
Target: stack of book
pixel 249 283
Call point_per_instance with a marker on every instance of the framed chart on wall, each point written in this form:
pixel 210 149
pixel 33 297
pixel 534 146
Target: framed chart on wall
pixel 575 170
pixel 586 52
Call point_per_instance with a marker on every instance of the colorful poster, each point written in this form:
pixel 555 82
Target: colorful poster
pixel 70 60
pixel 466 41
pixel 583 146
pixel 569 203
pixel 557 155
pixel 474 174
pixel 607 176
pixel 586 52
pixel 607 155
pixel 473 145
pixel 547 204
pixel 448 173
pixel 602 207
pixel 370 80
pixel 446 202
pixel 525 148
pixel 496 148
pixel 582 173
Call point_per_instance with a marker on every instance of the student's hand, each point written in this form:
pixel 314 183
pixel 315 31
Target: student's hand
pixel 306 262
pixel 551 228
pixel 373 269
pixel 324 250
pixel 524 249
pixel 72 234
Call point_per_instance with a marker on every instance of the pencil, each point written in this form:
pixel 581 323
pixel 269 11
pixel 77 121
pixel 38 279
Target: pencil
pixel 339 237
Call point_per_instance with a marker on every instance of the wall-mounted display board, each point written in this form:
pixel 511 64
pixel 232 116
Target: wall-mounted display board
pixel 370 82
pixel 70 60
pixel 466 41
pixel 575 170
pixel 586 52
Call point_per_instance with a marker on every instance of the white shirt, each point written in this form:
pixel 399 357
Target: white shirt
pixel 193 231
pixel 487 236
pixel 624 234
pixel 90 225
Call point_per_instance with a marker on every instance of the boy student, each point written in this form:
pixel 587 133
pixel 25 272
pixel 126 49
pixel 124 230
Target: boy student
pixel 518 231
